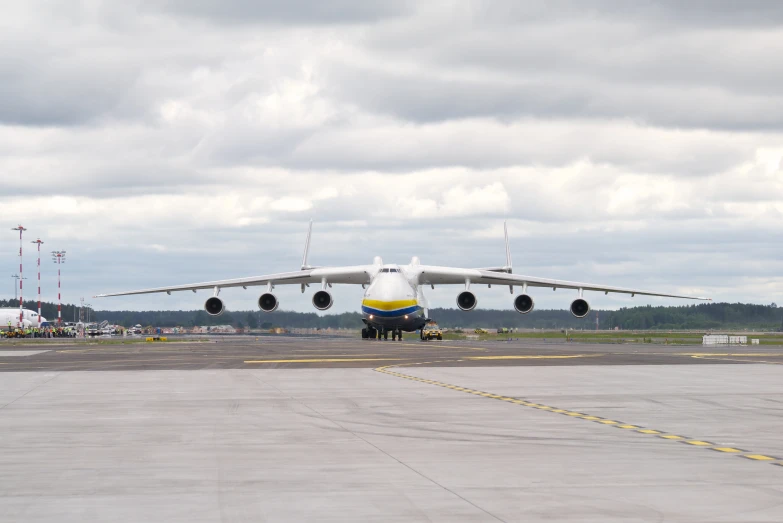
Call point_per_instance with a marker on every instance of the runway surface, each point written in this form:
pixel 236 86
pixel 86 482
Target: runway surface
pixel 297 429
pixel 236 352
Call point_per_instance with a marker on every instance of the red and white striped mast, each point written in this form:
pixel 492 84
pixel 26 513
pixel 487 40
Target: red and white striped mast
pixel 21 299
pixel 58 257
pixel 39 242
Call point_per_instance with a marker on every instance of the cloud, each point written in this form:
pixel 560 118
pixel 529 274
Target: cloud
pixel 631 144
pixel 292 11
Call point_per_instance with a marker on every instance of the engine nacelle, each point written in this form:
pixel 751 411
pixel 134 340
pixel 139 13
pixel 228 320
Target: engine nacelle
pixel 523 304
pixel 268 302
pixel 322 300
pixel 580 307
pixel 214 306
pixel 466 301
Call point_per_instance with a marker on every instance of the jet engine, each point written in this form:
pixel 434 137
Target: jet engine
pixel 466 301
pixel 580 307
pixel 322 300
pixel 214 306
pixel 268 302
pixel 523 303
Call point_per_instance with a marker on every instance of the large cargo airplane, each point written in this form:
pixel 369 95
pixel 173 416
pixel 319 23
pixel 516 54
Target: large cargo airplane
pixel 394 300
pixel 10 317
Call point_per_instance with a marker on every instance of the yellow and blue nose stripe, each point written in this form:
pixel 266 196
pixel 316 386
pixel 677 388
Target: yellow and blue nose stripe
pixel 389 309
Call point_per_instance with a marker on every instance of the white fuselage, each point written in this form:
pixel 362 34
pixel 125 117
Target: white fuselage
pixel 10 318
pixel 394 301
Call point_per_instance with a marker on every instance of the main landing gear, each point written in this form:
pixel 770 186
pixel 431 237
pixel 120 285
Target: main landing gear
pixel 368 333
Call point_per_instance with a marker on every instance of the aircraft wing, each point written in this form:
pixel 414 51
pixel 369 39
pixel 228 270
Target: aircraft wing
pixel 453 276
pixel 358 275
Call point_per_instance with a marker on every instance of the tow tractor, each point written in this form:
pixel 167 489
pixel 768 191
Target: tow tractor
pixel 431 331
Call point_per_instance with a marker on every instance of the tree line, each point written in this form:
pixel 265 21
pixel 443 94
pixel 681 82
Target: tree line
pixel 703 316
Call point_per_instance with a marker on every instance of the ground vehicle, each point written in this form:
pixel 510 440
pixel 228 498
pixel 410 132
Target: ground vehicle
pixel 481 331
pixel 431 332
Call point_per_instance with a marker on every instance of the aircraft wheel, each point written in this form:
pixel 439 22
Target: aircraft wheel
pixel 385 334
pixel 364 334
pixel 399 335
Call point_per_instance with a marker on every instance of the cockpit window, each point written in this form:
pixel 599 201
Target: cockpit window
pixel 390 270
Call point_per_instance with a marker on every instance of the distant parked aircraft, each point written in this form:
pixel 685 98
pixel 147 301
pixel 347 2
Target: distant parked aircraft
pixel 11 317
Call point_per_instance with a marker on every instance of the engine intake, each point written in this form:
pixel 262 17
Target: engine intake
pixel 523 303
pixel 214 306
pixel 466 301
pixel 268 302
pixel 322 300
pixel 580 307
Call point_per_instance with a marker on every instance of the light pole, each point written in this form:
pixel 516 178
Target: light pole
pixel 39 242
pixel 16 285
pixel 58 257
pixel 21 277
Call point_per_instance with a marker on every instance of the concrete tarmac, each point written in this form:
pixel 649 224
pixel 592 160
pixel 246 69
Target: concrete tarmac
pixel 236 352
pixel 277 430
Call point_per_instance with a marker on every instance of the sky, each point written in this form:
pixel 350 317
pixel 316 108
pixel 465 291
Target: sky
pixel 634 144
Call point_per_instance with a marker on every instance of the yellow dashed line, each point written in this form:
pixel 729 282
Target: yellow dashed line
pixel 751 354
pixel 534 357
pixel 575 415
pixel 326 360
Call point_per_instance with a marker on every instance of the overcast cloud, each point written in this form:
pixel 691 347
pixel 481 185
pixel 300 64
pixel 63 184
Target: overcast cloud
pixel 626 143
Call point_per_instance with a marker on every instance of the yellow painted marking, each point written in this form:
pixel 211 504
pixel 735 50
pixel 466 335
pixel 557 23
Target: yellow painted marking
pixel 534 357
pixel 325 360
pixel 598 419
pixel 751 354
pixel 389 305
